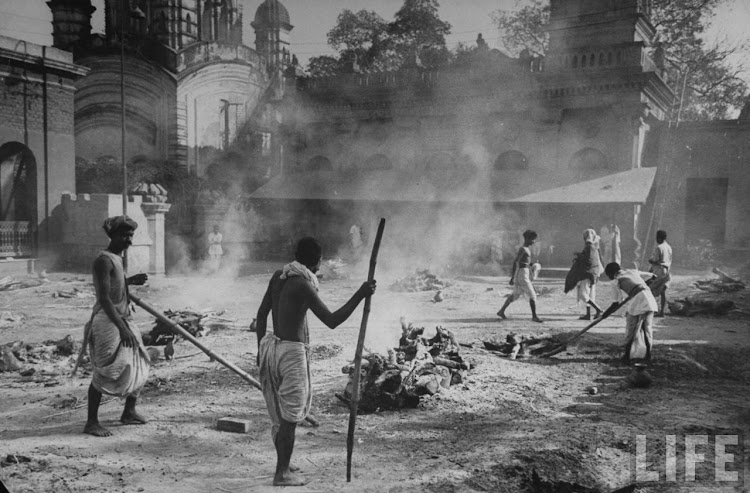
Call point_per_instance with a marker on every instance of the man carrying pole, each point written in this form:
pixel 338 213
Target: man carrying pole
pixel 283 356
pixel 119 359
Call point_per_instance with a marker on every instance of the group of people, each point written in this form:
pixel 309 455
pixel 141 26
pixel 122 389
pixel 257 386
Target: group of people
pixel 639 303
pixel 121 363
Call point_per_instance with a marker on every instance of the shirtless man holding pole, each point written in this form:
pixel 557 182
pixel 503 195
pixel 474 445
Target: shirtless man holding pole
pixel 284 356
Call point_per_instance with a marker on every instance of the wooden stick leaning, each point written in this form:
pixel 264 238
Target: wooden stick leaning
pixel 358 355
pixel 188 336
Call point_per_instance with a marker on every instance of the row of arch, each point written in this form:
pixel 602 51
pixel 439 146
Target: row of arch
pixel 587 159
pixel 584 60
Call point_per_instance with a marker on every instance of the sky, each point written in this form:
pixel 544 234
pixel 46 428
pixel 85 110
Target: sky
pixel 312 19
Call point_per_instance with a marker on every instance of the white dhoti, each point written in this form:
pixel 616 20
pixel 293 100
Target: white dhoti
pixel 118 370
pixel 522 284
pixel 586 291
pixel 285 379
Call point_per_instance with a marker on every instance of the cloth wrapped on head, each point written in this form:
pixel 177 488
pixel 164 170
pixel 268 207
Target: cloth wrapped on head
pixel 590 236
pixel 116 224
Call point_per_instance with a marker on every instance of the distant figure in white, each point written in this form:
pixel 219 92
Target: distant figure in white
pixel 610 244
pixel 355 240
pixel 215 252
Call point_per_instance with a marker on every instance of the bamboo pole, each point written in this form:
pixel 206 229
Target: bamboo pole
pixel 188 336
pixel 358 355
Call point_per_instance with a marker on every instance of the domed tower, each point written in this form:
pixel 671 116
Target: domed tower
pixel 272 27
pixel 71 22
pixel 173 23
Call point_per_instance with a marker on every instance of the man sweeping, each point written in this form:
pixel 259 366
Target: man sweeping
pixel 639 311
pixel 284 355
pixel 119 359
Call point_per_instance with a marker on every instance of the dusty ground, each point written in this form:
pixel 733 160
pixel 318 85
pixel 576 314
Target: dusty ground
pixel 515 426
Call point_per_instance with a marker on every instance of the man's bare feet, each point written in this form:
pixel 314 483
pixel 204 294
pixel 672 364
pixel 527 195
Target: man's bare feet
pixel 289 479
pixel 96 429
pixel 502 315
pixel 132 418
pixel 537 320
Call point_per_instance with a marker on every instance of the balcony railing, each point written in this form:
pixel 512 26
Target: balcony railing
pixel 16 239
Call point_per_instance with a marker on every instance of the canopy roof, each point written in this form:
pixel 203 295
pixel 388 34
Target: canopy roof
pixel 627 187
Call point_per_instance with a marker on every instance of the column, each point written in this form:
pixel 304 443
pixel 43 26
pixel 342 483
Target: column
pixel 155 212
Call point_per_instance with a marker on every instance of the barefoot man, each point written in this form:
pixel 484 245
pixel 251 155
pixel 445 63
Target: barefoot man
pixel 283 356
pixel 120 361
pixel 524 271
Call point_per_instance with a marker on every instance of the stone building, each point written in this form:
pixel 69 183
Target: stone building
pixel 37 141
pixel 188 81
pixel 498 144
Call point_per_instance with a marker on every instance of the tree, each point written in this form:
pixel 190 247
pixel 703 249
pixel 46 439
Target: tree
pixel 377 45
pixel 418 30
pixel 524 28
pixel 713 85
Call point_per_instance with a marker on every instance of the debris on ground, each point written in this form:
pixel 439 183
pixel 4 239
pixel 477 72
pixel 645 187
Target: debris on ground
pixel 418 367
pixel 700 305
pixel 47 351
pixel 524 346
pixel 76 293
pixel 325 351
pixel 8 283
pixel 7 319
pixel 722 284
pixel 543 291
pixel 420 280
pixel 334 268
pixel 13 459
pixel 8 360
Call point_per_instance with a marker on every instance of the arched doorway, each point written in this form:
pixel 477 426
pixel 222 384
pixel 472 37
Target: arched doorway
pixel 17 199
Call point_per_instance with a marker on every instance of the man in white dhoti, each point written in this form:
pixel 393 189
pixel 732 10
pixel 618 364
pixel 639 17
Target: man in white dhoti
pixel 119 359
pixel 283 356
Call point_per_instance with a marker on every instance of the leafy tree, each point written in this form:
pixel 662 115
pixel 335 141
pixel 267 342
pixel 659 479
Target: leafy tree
pixel 713 85
pixel 377 45
pixel 524 28
pixel 418 29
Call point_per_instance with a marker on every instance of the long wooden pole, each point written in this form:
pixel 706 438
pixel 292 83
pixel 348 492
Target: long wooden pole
pixel 562 347
pixel 358 355
pixel 187 335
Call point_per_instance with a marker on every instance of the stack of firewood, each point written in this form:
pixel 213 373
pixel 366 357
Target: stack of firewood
pixel 418 367
pixel 197 324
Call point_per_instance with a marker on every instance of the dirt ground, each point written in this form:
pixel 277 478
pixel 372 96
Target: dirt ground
pixel 527 425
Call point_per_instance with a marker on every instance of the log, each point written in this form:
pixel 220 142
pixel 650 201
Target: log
pixel 185 334
pixel 454 365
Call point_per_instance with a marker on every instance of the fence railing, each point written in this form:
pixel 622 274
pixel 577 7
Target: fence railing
pixel 16 239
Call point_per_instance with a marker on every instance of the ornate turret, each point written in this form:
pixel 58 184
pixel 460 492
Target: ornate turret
pixel 71 22
pixel 272 27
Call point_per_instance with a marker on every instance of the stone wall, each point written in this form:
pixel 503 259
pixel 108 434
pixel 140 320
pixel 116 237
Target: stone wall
pixel 81 222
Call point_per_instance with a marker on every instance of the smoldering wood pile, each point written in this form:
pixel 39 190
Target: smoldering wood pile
pixel 418 367
pixel 722 284
pixel 420 280
pixel 700 305
pixel 713 301
pixel 525 346
pixel 198 324
pixel 48 355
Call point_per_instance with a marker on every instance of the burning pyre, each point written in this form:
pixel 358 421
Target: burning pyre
pixel 420 280
pixel 418 367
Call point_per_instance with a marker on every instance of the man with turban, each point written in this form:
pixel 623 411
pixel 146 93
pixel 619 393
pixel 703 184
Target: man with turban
pixel 584 274
pixel 119 359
